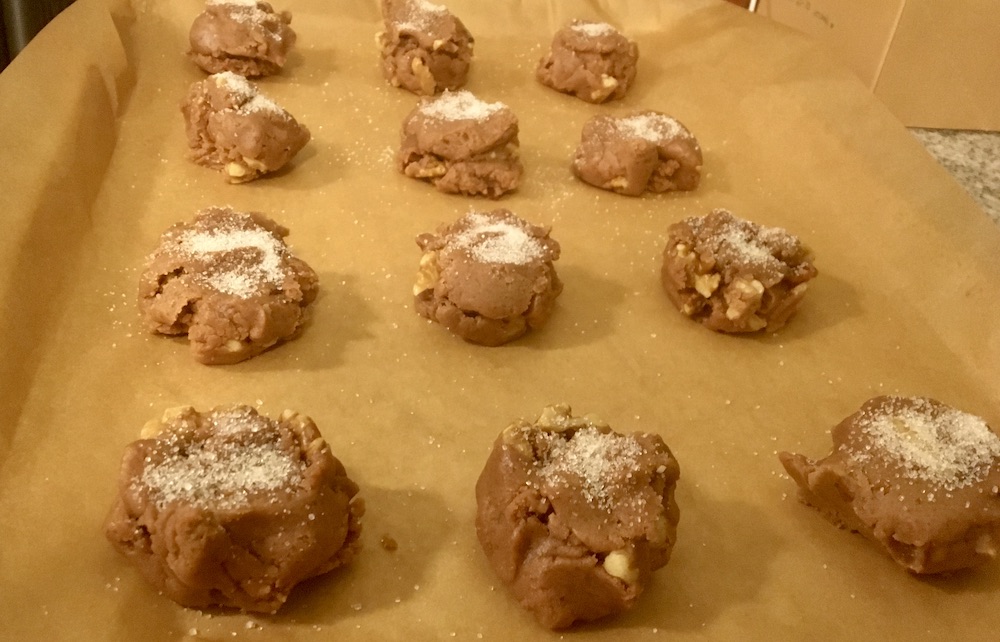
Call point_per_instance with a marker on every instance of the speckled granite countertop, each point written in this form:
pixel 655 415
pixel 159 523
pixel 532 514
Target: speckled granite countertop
pixel 973 158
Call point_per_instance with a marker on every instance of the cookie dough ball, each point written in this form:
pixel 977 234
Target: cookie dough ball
pixel 636 153
pixel 230 508
pixel 246 37
pixel 575 517
pixel 424 48
pixel 229 283
pixel 733 275
pixel 488 277
pixel 917 477
pixel 591 60
pixel 233 128
pixel 462 145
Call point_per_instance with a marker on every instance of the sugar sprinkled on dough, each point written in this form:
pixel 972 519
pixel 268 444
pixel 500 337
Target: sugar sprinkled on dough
pixel 459 105
pixel 420 14
pixel 745 241
pixel 237 420
pixel 248 12
pixel 235 83
pixel 949 448
pixel 429 7
pixel 225 474
pixel 492 240
pixel 250 98
pixel 261 102
pixel 593 29
pixel 743 244
pixel 241 260
pixel 220 478
pixel 596 458
pixel 653 127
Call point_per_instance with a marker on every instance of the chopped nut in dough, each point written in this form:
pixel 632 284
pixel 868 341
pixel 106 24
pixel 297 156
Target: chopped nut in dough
pixel 462 145
pixel 621 564
pixel 917 477
pixel 734 275
pixel 230 508
pixel 640 152
pixel 590 60
pixel 424 47
pixel 234 128
pixel 488 277
pixel 244 37
pixel 228 282
pixel 575 517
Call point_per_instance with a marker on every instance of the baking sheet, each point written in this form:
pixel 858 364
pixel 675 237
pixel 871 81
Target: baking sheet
pixel 92 152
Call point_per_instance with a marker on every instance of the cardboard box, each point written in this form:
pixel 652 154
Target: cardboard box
pixel 933 63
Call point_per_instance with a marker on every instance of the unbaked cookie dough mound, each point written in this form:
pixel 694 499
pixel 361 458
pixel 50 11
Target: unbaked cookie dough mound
pixel 488 277
pixel 462 145
pixel 591 60
pixel 575 517
pixel 424 48
pixel 916 476
pixel 246 37
pixel 230 508
pixel 234 128
pixel 229 283
pixel 645 151
pixel 734 275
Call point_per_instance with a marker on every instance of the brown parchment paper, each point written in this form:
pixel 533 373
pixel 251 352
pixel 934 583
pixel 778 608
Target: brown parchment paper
pixel 93 170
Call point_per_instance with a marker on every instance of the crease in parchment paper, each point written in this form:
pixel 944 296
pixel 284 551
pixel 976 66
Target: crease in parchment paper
pixel 72 116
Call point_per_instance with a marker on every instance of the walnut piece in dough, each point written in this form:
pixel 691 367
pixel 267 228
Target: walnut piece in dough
pixel 234 128
pixel 575 517
pixel 229 283
pixel 917 477
pixel 424 48
pixel 245 37
pixel 230 508
pixel 734 275
pixel 591 60
pixel 462 145
pixel 488 277
pixel 639 152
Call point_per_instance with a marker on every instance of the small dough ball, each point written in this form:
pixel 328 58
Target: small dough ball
pixel 462 145
pixel 233 128
pixel 229 283
pixel 245 37
pixel 636 153
pixel 230 508
pixel 575 517
pixel 488 277
pixel 591 60
pixel 917 477
pixel 424 48
pixel 734 275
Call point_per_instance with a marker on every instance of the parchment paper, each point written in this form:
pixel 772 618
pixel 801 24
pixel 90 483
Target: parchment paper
pixel 92 153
